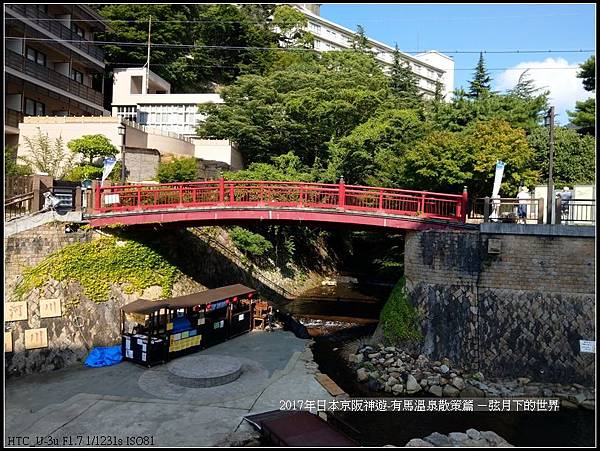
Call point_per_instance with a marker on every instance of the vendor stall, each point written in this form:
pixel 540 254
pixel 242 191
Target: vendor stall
pixel 177 326
pixel 146 342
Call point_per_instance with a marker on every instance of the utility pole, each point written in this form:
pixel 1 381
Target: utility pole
pixel 148 59
pixel 550 123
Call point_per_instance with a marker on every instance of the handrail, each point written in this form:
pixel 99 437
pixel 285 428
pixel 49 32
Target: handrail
pixel 18 198
pixel 259 193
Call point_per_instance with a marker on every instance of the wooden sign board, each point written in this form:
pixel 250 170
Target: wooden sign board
pixel 36 338
pixel 50 308
pixel 7 341
pixel 15 311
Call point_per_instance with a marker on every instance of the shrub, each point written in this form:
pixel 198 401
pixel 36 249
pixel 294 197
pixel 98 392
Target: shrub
pixel 399 320
pixel 180 170
pixel 11 168
pixel 91 172
pixel 92 146
pixel 45 157
pixel 249 242
pixel 98 264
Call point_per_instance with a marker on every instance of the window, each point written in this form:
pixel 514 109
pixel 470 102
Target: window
pixel 315 27
pixel 76 75
pixel 34 108
pixel 78 30
pixel 36 56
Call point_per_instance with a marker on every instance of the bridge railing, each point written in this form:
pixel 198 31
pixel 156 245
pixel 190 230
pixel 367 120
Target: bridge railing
pixel 216 193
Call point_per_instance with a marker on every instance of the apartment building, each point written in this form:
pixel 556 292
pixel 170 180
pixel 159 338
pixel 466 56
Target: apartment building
pixel 52 66
pixel 430 67
pixel 143 97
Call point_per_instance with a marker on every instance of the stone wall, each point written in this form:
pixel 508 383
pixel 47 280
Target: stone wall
pixel 81 327
pixel 30 247
pixel 141 164
pixel 519 312
pixel 83 324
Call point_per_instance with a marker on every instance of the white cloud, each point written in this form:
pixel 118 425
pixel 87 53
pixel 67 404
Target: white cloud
pixel 553 74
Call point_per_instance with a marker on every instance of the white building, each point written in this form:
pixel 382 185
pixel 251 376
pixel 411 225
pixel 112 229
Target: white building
pixel 143 97
pixel 430 66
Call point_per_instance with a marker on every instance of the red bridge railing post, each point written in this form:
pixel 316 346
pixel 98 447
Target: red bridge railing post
pixel 221 190
pixel 464 200
pixel 342 193
pixel 97 194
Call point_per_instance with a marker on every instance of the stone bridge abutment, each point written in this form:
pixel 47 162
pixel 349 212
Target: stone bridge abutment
pixel 507 300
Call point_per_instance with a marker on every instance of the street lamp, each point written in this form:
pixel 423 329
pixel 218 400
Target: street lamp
pixel 121 129
pixel 549 122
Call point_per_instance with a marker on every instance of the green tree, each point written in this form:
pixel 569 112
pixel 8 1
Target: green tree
pixel 286 167
pixel 291 24
pixel 298 108
pixel 373 151
pixel 92 146
pixel 584 116
pixel 403 81
pixel 574 156
pixel 481 83
pixel 178 170
pixel 446 161
pixel 359 41
pixel 177 28
pixel 44 156
pixel 588 73
pixel 11 167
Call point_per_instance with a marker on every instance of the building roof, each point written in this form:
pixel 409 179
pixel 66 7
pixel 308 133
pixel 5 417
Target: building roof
pixel 204 297
pixel 144 306
pixel 208 296
pixel 383 46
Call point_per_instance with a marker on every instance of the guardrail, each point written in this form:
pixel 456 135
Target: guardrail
pixel 486 209
pixel 217 193
pixel 576 212
pixel 573 212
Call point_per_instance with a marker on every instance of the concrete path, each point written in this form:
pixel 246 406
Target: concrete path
pixel 82 406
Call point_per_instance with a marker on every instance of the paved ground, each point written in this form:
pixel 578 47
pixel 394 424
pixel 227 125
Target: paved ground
pixel 83 406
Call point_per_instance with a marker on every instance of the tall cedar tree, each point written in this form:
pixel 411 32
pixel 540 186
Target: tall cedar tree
pixel 481 82
pixel 359 41
pixel 584 116
pixel 403 81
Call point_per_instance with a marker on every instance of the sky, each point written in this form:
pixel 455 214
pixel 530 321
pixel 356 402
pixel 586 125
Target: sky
pixel 488 27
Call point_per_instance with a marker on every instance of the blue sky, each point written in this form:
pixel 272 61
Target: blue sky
pixel 445 27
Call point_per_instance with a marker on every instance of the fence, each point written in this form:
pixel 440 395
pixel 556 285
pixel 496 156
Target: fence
pixel 573 212
pixel 24 195
pixel 506 210
pixel 576 211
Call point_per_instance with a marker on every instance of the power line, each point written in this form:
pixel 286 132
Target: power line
pixel 426 19
pixel 226 47
pixel 470 68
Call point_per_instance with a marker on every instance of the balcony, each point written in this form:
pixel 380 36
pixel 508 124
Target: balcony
pixel 12 118
pixel 42 73
pixel 32 13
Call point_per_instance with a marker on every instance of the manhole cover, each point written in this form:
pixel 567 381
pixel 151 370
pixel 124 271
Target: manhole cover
pixel 204 371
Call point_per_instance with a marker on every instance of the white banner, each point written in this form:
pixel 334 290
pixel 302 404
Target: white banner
pixel 109 164
pixel 498 178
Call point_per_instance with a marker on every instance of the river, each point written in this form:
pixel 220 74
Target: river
pixel 336 315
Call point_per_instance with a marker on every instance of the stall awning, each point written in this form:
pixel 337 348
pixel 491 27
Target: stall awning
pixel 204 297
pixel 208 296
pixel 144 306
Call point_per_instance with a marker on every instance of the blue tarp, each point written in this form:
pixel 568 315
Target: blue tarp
pixel 104 356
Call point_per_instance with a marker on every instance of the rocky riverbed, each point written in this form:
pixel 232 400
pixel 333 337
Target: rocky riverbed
pixel 394 371
pixel 470 438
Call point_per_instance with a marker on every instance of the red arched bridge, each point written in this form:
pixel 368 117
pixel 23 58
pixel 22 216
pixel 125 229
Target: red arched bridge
pixel 222 202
